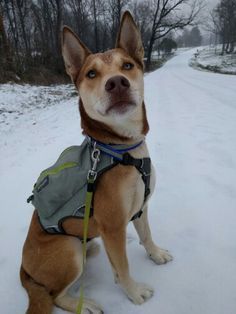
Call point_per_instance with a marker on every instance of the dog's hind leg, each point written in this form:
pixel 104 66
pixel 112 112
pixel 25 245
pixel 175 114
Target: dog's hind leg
pixel 39 298
pixel 71 269
pixel 158 255
pixel 51 264
pixel 55 274
pixel 69 303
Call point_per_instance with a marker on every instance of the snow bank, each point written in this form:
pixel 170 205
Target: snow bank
pixel 210 59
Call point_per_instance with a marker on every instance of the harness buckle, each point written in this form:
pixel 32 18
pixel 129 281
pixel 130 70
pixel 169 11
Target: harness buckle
pixel 92 175
pixel 127 159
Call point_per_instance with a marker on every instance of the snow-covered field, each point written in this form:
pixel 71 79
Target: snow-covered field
pixel 20 100
pixel 210 59
pixel 192 143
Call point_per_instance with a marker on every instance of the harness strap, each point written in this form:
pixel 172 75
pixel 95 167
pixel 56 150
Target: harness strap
pixel 143 165
pixel 120 154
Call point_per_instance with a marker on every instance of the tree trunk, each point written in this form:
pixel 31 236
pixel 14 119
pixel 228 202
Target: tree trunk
pixel 12 22
pixel 149 54
pixel 231 49
pixel 5 52
pixel 227 47
pixel 95 25
pixel 58 27
pixel 223 46
pixel 22 24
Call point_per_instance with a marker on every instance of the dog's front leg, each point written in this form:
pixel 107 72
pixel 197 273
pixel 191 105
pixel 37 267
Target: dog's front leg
pixel 158 255
pixel 115 244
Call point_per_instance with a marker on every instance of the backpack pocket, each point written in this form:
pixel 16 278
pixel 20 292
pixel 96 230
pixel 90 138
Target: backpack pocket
pixel 56 186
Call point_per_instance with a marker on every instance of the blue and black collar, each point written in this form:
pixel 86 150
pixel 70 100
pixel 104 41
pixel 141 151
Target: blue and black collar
pixel 117 151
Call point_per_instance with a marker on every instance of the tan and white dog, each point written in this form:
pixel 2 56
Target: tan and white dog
pixel 111 90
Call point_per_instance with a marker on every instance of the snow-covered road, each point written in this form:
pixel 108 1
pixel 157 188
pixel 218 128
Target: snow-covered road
pixel 192 142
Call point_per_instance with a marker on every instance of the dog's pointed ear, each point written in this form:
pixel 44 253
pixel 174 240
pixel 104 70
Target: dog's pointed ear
pixel 129 38
pixel 74 52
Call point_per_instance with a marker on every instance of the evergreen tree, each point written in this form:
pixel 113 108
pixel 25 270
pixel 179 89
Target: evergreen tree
pixel 195 37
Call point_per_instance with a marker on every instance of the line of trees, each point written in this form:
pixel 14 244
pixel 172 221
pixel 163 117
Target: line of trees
pixel 190 38
pixel 30 29
pixel 167 45
pixel 224 24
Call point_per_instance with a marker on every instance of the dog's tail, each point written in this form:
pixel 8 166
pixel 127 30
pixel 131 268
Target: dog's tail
pixel 40 300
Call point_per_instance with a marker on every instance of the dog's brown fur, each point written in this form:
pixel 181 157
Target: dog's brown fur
pixel 52 263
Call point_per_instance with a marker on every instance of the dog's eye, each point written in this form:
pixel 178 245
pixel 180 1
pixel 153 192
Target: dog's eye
pixel 91 74
pixel 128 66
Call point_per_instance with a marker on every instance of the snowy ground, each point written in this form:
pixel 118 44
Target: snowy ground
pixel 192 142
pixel 18 100
pixel 210 59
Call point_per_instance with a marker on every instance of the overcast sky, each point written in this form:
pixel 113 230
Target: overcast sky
pixel 212 3
pixel 209 6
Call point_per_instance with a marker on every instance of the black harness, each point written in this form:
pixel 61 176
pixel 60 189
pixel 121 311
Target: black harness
pixel 143 165
pixel 120 154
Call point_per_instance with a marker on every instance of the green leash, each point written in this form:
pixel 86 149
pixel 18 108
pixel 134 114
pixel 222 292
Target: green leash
pixel 92 175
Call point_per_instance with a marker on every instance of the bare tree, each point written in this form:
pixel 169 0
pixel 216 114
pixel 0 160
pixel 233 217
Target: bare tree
pixel 115 9
pixel 142 13
pixel 77 15
pixel 4 47
pixel 9 13
pixel 5 52
pixel 95 25
pixel 224 24
pixel 166 17
pixel 22 9
pixel 58 11
pixel 32 28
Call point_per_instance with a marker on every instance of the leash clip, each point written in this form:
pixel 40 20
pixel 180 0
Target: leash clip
pixel 92 174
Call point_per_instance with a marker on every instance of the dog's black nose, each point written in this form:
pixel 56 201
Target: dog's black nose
pixel 117 84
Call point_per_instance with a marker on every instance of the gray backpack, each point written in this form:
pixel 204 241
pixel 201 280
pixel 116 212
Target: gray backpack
pixel 60 190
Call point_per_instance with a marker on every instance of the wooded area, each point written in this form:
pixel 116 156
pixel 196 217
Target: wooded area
pixel 30 30
pixel 224 24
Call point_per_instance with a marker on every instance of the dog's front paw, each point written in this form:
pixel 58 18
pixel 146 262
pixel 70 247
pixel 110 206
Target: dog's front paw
pixel 138 293
pixel 160 256
pixel 90 307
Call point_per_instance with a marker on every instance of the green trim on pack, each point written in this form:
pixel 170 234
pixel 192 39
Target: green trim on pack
pixel 68 149
pixel 56 170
